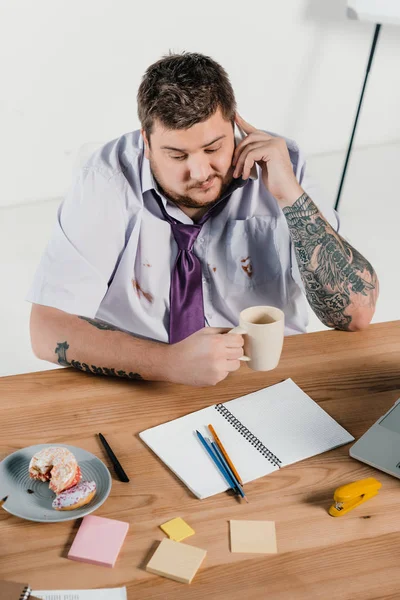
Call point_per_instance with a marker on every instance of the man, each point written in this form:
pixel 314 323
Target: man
pixel 169 232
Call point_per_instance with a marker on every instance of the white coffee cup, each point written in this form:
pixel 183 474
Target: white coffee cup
pixel 263 328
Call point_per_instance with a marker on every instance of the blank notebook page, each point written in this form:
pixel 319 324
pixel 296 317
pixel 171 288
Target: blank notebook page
pixel 179 448
pixel 288 422
pixel 285 421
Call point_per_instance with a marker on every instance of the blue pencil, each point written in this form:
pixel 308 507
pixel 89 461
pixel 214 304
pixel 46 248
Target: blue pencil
pixel 222 465
pixel 227 467
pixel 217 462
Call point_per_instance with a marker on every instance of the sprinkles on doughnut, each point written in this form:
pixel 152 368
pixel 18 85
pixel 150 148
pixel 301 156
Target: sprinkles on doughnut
pixel 76 496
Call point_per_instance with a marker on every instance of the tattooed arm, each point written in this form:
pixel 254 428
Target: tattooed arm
pixel 340 284
pixel 94 346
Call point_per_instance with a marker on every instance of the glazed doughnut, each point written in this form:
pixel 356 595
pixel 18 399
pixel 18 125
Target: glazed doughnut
pixel 58 466
pixel 76 496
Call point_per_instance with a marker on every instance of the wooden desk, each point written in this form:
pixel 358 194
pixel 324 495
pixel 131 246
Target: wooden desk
pixel 354 376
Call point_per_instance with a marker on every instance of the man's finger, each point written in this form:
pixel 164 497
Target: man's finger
pixel 250 148
pixel 232 365
pixel 234 340
pixel 234 353
pixel 247 128
pixel 214 330
pixel 258 136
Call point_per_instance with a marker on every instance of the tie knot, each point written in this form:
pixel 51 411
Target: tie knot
pixel 185 235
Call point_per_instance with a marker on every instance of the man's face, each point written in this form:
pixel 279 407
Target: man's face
pixel 192 166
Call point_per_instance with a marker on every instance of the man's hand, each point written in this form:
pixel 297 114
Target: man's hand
pixel 204 358
pixel 272 155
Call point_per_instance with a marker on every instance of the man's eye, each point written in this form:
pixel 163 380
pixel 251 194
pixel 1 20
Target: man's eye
pixel 178 157
pixel 211 150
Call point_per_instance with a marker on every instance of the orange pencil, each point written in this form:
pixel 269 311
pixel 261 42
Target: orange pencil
pixel 224 452
pixel 2 501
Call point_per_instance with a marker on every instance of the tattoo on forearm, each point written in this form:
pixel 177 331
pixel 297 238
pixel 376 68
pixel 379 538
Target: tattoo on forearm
pixel 303 208
pixel 99 324
pixel 61 352
pixel 104 326
pixel 333 272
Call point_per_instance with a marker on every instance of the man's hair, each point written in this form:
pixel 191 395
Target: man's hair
pixel 180 90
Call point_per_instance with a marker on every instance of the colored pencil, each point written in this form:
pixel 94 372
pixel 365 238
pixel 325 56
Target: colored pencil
pixel 2 501
pixel 224 452
pixel 227 467
pixel 217 462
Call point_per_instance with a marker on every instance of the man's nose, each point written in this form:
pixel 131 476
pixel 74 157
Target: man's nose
pixel 200 169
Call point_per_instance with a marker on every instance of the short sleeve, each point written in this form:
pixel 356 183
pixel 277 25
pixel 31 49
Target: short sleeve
pixel 310 186
pixel 84 249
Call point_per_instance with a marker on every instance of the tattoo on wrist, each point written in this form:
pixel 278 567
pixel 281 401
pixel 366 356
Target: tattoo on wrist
pixel 333 272
pixel 61 352
pixel 303 207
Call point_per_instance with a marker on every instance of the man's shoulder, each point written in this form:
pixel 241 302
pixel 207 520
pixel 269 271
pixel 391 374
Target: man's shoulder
pixel 113 171
pixel 117 156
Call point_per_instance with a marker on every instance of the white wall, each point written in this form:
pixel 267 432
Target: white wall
pixel 70 73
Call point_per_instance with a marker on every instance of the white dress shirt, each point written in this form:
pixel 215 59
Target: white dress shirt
pixel 111 253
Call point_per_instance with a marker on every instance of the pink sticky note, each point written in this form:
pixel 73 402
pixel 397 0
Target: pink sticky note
pixel 98 541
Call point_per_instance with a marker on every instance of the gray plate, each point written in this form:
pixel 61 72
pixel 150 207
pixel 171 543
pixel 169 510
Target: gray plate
pixel 15 483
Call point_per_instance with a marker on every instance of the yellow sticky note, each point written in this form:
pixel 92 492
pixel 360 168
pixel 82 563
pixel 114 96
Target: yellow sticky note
pixel 176 561
pixel 177 529
pixel 253 536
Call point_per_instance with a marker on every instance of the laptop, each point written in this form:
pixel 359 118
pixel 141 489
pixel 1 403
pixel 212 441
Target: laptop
pixel 380 445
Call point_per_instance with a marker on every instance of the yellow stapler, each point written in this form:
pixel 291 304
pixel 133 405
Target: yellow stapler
pixel 353 494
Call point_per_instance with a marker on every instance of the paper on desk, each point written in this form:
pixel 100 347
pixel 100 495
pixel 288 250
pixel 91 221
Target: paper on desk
pixel 103 594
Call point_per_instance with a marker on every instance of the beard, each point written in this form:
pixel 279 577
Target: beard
pixel 186 200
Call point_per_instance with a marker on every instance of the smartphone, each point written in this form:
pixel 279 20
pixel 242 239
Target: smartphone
pixel 239 136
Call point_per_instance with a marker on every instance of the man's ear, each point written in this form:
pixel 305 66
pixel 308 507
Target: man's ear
pixel 146 144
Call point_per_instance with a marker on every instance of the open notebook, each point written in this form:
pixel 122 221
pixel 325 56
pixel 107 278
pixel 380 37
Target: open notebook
pixel 261 432
pixel 10 590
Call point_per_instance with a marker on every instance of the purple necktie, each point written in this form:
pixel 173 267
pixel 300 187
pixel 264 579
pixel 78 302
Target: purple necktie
pixel 186 292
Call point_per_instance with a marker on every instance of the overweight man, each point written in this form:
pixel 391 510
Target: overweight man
pixel 169 232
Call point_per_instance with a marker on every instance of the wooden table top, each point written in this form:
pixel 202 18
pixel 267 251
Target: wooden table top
pixel 355 377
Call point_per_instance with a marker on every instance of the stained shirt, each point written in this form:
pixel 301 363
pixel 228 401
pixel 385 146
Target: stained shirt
pixel 111 253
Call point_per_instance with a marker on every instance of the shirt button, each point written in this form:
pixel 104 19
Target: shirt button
pixel 201 240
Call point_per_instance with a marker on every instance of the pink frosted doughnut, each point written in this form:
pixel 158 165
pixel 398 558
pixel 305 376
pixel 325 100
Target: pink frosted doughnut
pixel 76 496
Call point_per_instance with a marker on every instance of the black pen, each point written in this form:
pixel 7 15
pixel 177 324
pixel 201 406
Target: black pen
pixel 122 476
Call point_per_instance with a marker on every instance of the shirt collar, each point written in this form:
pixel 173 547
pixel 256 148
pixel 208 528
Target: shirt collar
pixel 147 179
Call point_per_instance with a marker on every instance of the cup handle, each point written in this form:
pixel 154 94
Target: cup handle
pixel 241 331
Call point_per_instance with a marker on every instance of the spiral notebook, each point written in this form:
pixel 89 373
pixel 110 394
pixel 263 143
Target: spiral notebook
pixel 10 590
pixel 261 432
pixel 98 594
